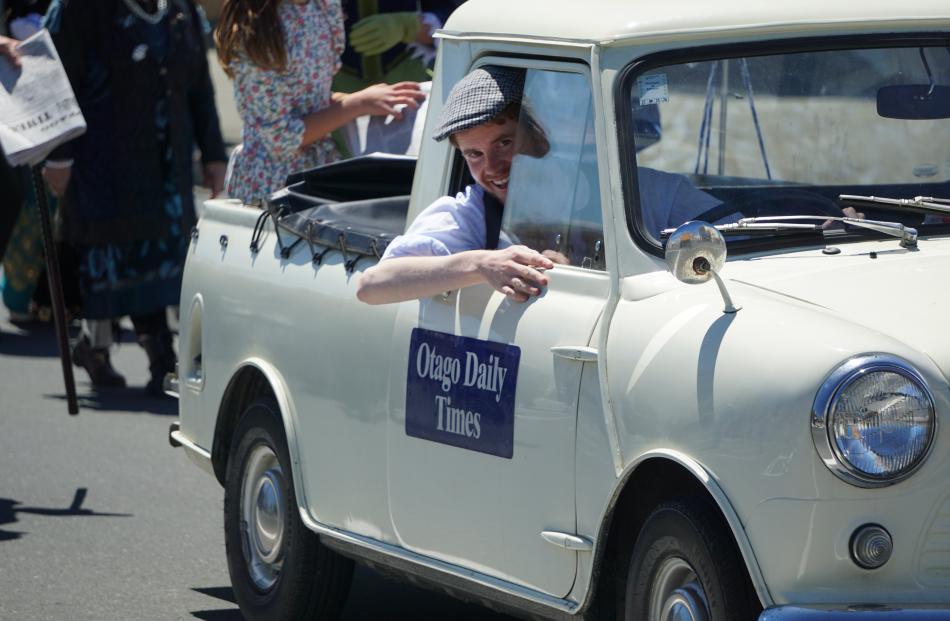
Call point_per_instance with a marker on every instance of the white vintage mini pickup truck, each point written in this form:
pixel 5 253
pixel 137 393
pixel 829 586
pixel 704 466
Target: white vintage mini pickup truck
pixel 731 400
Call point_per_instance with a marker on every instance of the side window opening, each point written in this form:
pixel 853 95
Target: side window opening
pixel 553 203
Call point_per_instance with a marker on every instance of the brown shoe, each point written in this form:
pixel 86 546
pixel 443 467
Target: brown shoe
pixel 96 362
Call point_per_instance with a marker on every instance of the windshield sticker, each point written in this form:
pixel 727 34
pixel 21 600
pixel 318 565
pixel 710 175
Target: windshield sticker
pixel 461 391
pixel 653 89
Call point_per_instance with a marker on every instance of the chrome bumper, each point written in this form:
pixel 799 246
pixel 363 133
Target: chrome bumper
pixel 197 454
pixel 866 612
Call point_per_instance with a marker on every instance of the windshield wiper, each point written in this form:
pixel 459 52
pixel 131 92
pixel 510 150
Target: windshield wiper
pixel 747 226
pixel 750 226
pixel 918 203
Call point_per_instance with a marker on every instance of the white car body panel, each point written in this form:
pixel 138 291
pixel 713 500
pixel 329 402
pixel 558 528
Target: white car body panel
pixel 541 473
pixel 675 378
pixel 608 21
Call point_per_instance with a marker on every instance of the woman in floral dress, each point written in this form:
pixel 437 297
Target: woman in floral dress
pixel 282 56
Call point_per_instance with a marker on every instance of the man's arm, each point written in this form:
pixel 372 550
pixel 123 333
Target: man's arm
pixel 514 271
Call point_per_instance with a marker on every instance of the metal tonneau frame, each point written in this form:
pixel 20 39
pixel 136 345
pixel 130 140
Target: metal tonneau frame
pixel 356 206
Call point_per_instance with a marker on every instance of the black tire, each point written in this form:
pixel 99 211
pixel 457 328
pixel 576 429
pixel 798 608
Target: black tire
pixel 685 551
pixel 297 578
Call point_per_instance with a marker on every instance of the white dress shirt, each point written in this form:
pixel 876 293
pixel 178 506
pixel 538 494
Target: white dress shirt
pixel 447 226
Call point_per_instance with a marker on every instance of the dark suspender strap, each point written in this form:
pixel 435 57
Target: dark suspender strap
pixel 493 211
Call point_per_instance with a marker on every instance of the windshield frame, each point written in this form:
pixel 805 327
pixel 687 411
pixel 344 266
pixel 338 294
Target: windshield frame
pixel 623 93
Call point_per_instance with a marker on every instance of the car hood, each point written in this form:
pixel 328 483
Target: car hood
pixel 898 292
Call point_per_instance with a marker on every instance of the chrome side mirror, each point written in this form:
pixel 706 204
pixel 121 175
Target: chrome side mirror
pixel 695 253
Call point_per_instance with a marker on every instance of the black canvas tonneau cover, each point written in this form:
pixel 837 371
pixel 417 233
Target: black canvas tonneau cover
pixel 356 206
pixel 360 227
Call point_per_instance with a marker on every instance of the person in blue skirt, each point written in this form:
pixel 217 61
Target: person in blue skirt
pixel 139 70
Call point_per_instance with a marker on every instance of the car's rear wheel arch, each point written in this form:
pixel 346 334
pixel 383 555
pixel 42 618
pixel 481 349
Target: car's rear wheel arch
pixel 247 385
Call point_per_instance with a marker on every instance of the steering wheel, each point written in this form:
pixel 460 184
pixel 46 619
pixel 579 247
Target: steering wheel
pixel 775 202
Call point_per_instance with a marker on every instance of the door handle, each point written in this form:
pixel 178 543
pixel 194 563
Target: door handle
pixel 575 352
pixel 568 541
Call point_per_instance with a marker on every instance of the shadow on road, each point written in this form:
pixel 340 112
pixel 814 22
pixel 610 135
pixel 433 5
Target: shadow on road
pixel 127 400
pixel 226 593
pixel 378 596
pixel 222 614
pixel 39 341
pixel 374 596
pixel 229 614
pixel 9 509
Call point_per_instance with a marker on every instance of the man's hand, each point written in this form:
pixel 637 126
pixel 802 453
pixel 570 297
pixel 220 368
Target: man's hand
pixel 515 271
pixel 848 212
pixel 8 50
pixel 214 177
pixel 851 212
pixel 57 178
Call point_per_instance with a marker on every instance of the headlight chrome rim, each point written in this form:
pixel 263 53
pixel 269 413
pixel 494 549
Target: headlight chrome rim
pixel 839 380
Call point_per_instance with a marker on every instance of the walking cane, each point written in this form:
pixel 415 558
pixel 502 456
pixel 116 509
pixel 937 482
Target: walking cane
pixel 55 289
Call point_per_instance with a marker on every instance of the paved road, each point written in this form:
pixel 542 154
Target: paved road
pixel 100 519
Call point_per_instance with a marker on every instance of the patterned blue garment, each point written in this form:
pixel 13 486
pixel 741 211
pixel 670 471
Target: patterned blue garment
pixel 137 277
pixel 145 92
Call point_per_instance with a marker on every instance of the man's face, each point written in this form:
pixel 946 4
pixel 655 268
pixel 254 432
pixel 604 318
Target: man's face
pixel 488 149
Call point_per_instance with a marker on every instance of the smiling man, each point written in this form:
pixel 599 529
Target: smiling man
pixel 456 241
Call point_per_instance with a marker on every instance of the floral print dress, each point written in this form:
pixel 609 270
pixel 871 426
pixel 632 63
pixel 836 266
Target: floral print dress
pixel 273 104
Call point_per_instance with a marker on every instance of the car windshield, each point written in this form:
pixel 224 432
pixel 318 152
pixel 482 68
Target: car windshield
pixel 787 134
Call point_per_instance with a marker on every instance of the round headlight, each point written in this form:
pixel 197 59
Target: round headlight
pixel 873 421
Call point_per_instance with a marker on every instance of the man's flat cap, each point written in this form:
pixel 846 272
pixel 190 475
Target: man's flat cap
pixel 478 98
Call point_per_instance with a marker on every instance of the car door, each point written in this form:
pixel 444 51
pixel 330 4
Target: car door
pixel 483 404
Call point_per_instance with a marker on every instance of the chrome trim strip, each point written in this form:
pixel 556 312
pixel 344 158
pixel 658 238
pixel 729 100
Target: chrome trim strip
pixel 839 379
pixel 450 573
pixel 856 612
pixel 523 38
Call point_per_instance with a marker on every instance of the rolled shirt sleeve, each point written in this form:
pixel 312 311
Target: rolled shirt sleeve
pixel 447 226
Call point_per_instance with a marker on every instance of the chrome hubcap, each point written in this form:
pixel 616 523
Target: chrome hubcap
pixel 262 517
pixel 677 594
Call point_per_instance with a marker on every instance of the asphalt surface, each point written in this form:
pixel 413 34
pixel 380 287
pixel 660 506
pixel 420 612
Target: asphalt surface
pixel 101 519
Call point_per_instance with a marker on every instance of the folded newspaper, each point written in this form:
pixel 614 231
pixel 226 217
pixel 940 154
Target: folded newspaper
pixel 38 110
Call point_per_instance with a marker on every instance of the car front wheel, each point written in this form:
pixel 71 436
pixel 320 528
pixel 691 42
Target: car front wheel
pixel 279 569
pixel 685 567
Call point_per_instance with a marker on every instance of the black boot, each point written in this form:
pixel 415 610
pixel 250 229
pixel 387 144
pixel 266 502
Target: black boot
pixel 96 362
pixel 161 360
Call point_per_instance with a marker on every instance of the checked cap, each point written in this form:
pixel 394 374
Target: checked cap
pixel 478 98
